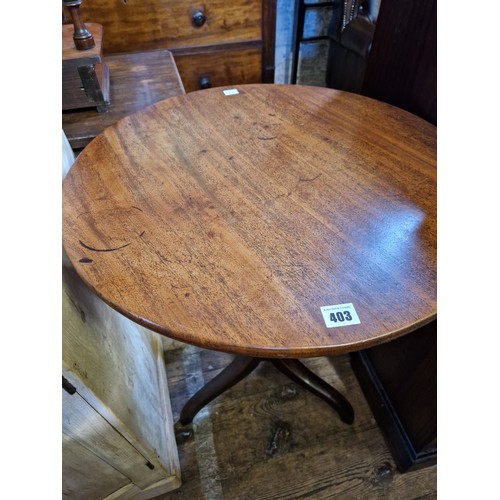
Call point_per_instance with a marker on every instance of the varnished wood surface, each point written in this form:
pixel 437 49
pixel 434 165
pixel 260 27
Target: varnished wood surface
pixel 269 438
pixel 228 221
pixel 136 81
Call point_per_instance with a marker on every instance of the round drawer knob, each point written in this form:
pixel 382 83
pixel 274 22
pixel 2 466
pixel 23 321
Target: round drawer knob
pixel 198 18
pixel 205 82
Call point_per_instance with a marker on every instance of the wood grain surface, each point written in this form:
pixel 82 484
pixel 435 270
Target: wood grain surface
pixel 228 221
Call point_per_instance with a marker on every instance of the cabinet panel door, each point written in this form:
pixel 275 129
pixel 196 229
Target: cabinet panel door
pixel 85 475
pixel 131 25
pixel 84 425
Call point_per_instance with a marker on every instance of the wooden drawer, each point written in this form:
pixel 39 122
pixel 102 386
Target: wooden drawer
pixel 220 68
pixel 131 25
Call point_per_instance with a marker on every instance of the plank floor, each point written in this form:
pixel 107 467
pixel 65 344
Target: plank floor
pixel 267 438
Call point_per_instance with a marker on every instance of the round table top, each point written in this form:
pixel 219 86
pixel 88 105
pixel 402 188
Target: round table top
pixel 231 220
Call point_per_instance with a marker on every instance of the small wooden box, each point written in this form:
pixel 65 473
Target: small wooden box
pixel 85 77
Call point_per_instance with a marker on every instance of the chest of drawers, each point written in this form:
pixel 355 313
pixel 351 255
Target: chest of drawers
pixel 214 42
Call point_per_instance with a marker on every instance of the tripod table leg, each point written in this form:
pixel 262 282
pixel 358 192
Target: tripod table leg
pixel 300 374
pixel 231 375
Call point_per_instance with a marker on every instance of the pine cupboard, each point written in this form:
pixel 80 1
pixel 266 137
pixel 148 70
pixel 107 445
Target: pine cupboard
pixel 117 426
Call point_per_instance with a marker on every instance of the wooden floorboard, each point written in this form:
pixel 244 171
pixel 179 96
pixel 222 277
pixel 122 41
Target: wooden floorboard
pixel 269 439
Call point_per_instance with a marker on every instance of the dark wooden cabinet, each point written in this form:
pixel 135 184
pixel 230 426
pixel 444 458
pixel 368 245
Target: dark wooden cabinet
pixel 399 382
pixel 213 42
pixel 402 65
pixel 399 378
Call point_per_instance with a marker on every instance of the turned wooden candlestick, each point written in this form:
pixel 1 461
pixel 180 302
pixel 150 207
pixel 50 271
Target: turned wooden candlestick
pixel 82 37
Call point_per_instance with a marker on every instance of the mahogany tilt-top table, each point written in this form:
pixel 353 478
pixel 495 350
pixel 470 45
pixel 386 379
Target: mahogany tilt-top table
pixel 270 221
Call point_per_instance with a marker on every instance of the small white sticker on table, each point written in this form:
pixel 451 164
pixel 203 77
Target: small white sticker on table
pixel 230 92
pixel 340 315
